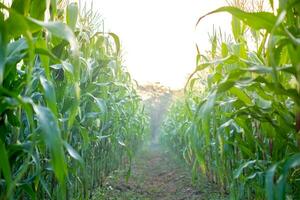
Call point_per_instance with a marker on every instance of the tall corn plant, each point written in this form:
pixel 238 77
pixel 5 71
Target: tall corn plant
pixel 242 130
pixel 69 112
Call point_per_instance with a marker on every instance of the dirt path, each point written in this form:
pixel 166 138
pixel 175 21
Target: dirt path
pixel 155 175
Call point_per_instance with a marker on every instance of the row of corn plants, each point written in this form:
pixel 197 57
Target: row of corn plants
pixel 69 113
pixel 239 121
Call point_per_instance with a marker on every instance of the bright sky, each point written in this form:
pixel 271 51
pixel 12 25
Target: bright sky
pixel 158 36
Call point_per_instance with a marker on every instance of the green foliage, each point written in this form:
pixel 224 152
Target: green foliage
pixel 69 113
pixel 241 127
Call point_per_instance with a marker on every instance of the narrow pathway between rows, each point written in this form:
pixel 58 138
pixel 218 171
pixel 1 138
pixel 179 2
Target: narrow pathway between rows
pixel 156 172
pixel 156 175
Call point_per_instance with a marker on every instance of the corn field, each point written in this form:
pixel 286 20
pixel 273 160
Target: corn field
pixel 69 113
pixel 238 123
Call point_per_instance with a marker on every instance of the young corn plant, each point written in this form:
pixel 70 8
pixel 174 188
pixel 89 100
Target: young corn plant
pixel 69 113
pixel 241 127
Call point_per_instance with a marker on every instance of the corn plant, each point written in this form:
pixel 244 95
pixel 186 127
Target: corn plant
pixel 69 113
pixel 240 127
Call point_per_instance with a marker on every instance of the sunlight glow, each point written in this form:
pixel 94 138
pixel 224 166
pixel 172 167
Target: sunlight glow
pixel 158 36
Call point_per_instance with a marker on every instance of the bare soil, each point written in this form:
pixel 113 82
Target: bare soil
pixel 155 175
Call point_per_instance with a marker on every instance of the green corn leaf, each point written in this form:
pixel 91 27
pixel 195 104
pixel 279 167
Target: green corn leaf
pixel 49 92
pixel 269 70
pixel 17 24
pixel 85 137
pixel 29 191
pixel 71 15
pixel 292 162
pixel 270 189
pixel 68 67
pixel 3 45
pixel 45 55
pixel 59 30
pixel 21 6
pixel 53 7
pixel 241 95
pixel 74 107
pixel 225 86
pixel 15 52
pixel 207 107
pixel 224 49
pixel 239 171
pixel 73 153
pixel 236 28
pixel 100 103
pixel 262 103
pixel 256 20
pixel 5 166
pixel 52 137
pixel 117 42
pixel 13 119
pixel 227 60
pixel 37 9
pixel 45 187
